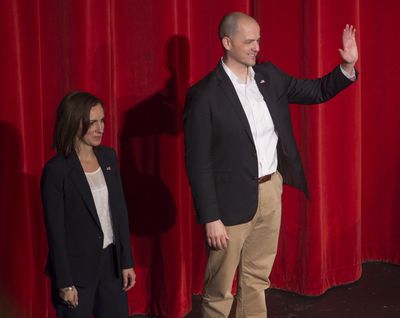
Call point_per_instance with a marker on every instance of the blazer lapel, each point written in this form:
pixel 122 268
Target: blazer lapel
pixel 108 172
pixel 265 90
pixel 107 169
pixel 230 92
pixel 80 181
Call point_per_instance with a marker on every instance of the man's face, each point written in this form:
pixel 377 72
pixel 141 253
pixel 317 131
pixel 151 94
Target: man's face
pixel 242 47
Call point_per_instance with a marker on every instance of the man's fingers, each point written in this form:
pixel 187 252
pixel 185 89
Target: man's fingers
pixel 224 242
pixel 219 242
pixel 226 234
pixel 216 235
pixel 214 243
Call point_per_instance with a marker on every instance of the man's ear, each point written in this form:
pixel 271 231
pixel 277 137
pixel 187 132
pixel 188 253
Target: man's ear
pixel 226 43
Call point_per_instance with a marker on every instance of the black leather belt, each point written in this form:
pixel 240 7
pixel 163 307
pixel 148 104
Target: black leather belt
pixel 265 178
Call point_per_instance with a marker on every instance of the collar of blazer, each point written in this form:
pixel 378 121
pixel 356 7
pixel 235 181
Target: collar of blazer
pixel 79 179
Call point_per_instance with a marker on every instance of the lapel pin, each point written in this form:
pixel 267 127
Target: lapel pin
pixel 262 82
pixel 108 168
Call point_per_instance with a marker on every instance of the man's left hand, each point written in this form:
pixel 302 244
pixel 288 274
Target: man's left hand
pixel 349 52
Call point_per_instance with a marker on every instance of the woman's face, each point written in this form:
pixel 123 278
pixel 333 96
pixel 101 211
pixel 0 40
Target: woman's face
pixel 96 128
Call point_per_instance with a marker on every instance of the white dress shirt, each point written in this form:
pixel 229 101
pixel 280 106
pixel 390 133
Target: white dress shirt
pixel 260 121
pixel 98 186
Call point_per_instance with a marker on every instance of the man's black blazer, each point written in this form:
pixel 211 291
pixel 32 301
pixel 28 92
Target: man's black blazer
pixel 73 228
pixel 221 158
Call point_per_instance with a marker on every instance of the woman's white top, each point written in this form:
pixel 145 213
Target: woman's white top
pixel 99 190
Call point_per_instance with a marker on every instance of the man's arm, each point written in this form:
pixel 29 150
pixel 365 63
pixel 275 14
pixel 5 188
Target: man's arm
pixel 198 155
pixel 199 166
pixel 315 91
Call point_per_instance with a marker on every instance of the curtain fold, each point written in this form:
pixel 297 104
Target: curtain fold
pixel 140 57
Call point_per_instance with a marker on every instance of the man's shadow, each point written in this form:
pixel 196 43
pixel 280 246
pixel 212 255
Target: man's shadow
pixel 143 149
pixel 150 156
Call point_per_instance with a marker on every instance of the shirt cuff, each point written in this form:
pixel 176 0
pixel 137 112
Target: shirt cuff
pixel 351 76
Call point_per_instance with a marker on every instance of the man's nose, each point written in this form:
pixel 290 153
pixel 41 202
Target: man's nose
pixel 256 46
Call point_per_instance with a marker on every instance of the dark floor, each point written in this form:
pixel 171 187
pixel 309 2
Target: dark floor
pixel 375 295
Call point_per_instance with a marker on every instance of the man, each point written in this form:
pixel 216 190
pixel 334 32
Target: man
pixel 239 149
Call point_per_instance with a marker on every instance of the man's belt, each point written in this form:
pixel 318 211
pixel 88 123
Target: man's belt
pixel 265 178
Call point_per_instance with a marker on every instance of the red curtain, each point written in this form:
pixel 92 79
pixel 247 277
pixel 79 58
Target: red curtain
pixel 140 57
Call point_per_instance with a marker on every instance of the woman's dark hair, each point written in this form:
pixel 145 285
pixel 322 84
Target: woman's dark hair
pixel 73 110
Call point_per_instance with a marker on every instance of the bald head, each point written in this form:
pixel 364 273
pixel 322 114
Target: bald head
pixel 229 24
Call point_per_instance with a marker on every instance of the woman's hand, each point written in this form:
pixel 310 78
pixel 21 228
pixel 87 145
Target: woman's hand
pixel 69 295
pixel 129 278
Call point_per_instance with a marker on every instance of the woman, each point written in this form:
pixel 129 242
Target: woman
pixel 90 262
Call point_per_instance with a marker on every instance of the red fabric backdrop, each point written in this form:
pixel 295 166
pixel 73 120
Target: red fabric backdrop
pixel 139 57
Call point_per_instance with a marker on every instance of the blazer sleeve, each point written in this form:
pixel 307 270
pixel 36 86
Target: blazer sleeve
pixel 197 119
pixel 126 253
pixel 53 206
pixel 313 91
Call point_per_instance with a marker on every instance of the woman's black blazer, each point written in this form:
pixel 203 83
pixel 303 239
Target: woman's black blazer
pixel 74 234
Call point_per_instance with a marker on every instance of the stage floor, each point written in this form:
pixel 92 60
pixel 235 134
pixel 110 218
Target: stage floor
pixel 375 295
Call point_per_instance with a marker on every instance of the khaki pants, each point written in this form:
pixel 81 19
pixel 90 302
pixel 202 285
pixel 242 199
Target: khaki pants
pixel 251 249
